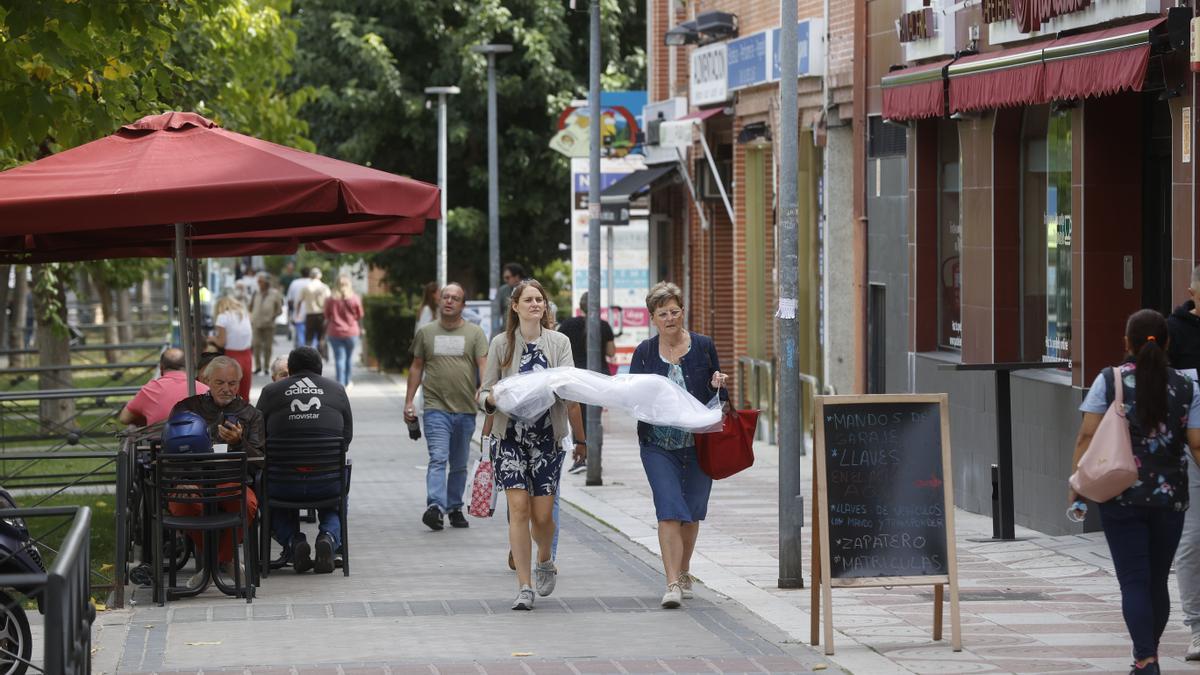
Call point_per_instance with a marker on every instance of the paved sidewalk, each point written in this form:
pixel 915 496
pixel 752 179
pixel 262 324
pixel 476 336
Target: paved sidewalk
pixel 1040 604
pixel 438 602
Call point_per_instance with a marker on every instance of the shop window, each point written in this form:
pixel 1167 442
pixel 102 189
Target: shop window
pixel 1046 235
pixel 949 238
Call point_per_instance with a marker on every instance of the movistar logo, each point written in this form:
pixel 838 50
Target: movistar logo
pixel 304 386
pixel 301 406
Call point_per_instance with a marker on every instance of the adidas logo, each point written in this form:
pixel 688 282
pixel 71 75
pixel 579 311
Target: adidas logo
pixel 302 387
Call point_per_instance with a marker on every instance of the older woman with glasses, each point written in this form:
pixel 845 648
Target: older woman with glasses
pixel 680 488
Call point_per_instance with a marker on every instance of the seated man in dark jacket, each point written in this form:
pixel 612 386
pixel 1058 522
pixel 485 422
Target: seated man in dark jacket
pixel 306 405
pixel 231 421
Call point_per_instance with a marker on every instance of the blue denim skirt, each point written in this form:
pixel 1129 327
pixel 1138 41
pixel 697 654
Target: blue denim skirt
pixel 680 488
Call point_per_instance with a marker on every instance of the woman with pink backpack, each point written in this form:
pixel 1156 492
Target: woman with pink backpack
pixel 1158 408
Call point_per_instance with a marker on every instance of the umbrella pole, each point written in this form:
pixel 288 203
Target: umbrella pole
pixel 185 312
pixel 197 311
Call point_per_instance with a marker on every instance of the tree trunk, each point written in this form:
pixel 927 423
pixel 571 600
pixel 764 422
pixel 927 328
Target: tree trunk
pixel 108 318
pixel 144 312
pixel 20 316
pixel 124 316
pixel 5 294
pixel 54 348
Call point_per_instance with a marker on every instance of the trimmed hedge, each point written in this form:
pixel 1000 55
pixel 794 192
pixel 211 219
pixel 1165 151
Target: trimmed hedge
pixel 389 328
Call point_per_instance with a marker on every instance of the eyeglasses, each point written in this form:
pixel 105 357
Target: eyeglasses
pixel 669 314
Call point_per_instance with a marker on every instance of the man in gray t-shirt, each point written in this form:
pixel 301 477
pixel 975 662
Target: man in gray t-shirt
pixel 448 356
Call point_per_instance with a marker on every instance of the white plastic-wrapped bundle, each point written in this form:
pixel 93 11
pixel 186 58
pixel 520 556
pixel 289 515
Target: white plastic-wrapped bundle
pixel 648 398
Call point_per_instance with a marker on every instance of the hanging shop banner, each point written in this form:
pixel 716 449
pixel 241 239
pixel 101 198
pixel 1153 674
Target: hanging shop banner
pixel 630 246
pixel 709 66
pixel 810 55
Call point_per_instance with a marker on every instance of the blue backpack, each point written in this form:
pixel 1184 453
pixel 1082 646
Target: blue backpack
pixel 186 432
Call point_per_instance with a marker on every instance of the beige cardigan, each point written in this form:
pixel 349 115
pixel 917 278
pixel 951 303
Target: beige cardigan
pixel 557 349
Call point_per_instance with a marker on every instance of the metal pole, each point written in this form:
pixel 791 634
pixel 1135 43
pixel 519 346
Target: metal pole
pixel 594 358
pixel 185 314
pixel 493 198
pixel 791 433
pixel 441 231
pixel 491 50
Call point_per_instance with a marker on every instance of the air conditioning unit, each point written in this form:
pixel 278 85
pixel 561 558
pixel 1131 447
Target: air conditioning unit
pixel 707 186
pixel 652 128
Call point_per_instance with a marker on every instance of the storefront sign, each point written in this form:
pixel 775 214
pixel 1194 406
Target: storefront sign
pixel 709 73
pixel 997 10
pixel 1185 137
pixel 917 25
pixel 808 49
pixel 1031 14
pixel 748 61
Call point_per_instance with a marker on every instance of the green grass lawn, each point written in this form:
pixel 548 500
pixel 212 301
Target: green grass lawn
pixel 50 531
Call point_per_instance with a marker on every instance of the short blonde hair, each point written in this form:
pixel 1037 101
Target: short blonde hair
pixel 662 293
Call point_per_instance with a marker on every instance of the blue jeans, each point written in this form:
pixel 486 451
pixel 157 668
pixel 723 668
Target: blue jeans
pixel 300 341
pixel 285 523
pixel 1142 541
pixel 343 350
pixel 449 439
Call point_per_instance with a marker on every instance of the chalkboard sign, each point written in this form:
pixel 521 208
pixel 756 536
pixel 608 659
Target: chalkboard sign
pixel 885 490
pixel 884 499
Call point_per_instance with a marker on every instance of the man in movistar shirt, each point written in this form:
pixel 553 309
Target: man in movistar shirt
pixel 306 405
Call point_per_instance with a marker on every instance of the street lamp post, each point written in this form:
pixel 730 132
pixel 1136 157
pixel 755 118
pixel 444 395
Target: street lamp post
pixel 441 93
pixel 493 181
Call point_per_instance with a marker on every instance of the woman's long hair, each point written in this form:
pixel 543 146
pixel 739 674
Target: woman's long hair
pixel 344 289
pixel 429 299
pixel 228 303
pixel 513 320
pixel 1147 333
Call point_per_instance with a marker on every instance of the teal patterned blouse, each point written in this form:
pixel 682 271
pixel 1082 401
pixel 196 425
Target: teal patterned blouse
pixel 670 438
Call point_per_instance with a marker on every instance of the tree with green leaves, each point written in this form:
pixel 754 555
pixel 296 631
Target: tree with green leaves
pixel 371 61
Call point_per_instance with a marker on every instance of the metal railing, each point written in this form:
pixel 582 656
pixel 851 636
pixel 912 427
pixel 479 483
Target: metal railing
pixel 762 374
pixel 66 592
pixel 86 424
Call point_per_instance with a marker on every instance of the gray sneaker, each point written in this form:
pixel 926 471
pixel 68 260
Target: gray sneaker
pixel 545 575
pixel 1193 652
pixel 685 585
pixel 524 599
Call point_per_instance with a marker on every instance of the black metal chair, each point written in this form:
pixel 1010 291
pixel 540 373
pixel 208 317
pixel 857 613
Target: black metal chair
pixel 299 461
pixel 209 480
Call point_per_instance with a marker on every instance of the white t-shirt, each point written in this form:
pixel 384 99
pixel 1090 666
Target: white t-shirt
pixel 237 330
pixel 294 291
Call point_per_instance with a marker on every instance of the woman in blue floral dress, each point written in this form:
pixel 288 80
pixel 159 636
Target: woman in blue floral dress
pixel 1142 524
pixel 528 456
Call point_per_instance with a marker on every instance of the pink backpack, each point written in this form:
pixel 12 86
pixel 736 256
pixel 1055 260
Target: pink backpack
pixel 1107 468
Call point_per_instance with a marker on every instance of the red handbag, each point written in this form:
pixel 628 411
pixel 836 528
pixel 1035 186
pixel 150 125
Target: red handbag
pixel 730 450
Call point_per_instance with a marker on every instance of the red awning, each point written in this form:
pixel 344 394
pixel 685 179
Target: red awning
pixel 1010 77
pixel 1099 63
pixel 704 114
pixel 915 93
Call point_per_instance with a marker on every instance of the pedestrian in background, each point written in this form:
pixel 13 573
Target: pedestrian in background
pixel 343 313
pixel 511 274
pixel 679 486
pixel 575 328
pixel 313 298
pixel 265 305
pixel 429 306
pixel 528 457
pixel 448 356
pixel 1142 524
pixel 296 313
pixel 1184 353
pixel 232 333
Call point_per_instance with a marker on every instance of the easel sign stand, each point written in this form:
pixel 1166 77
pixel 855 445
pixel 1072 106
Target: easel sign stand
pixel 882 495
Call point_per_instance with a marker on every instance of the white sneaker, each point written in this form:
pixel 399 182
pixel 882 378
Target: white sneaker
pixel 524 599
pixel 673 597
pixel 685 585
pixel 1193 652
pixel 228 577
pixel 196 579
